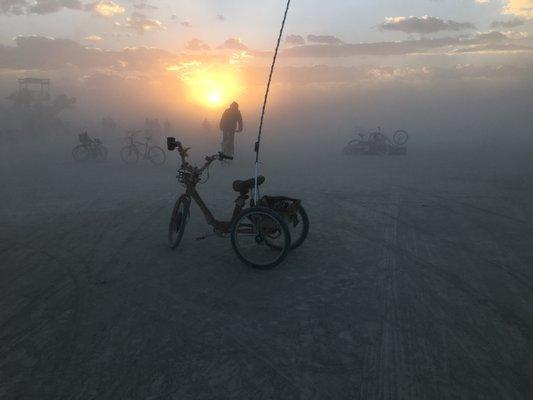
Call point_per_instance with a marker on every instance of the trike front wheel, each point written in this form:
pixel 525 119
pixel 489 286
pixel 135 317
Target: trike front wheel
pixel 178 221
pixel 260 237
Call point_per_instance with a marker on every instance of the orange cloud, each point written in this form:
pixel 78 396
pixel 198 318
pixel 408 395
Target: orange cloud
pixel 521 8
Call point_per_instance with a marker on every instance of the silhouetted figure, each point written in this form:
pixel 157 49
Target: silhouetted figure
pixel 230 123
pixel 108 125
pixel 206 126
pixel 152 127
pixel 85 139
pixel 168 129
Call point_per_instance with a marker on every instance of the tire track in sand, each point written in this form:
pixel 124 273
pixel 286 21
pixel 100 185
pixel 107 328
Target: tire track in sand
pixel 387 370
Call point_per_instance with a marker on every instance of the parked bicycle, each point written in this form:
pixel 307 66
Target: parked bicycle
pixel 135 150
pixel 89 149
pixel 260 233
pixel 377 143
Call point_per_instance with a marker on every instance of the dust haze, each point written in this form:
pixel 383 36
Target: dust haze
pixel 301 120
pixel 415 281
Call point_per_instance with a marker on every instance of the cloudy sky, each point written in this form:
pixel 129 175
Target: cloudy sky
pixel 210 51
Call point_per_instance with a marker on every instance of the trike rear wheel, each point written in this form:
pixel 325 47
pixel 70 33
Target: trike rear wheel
pixel 297 221
pixel 252 234
pixel 298 224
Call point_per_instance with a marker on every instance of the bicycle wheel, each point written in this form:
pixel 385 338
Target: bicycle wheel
pixel 298 224
pixel 81 153
pixel 156 155
pixel 260 238
pixel 400 137
pixel 178 221
pixel 129 154
pixel 355 147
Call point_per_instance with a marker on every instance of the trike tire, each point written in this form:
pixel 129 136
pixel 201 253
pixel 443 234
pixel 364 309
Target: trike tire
pixel 263 222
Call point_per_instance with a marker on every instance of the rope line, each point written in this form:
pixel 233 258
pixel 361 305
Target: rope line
pixel 270 79
pixel 258 143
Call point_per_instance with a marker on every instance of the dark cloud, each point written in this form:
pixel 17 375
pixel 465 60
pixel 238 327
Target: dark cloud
pixel 508 24
pixel 106 8
pixel 43 53
pixel 221 18
pixel 495 48
pixel 197 45
pixel 234 44
pixel 489 37
pixel 15 7
pixel 36 52
pixel 343 76
pixel 424 25
pixel 420 46
pixel 324 39
pixel 51 6
pixel 145 6
pixel 18 7
pixel 186 24
pixel 296 40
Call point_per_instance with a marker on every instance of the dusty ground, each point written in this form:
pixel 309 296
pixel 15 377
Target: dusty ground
pixel 415 283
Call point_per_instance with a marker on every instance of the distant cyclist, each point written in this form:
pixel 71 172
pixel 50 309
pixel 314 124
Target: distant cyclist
pixel 85 139
pixel 230 123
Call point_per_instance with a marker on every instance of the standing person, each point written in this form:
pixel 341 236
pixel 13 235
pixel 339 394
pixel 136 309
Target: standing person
pixel 230 123
pixel 206 126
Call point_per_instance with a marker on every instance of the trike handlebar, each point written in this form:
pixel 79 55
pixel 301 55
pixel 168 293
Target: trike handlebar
pixel 173 144
pixel 209 159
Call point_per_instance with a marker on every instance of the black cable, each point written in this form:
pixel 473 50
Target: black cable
pixel 257 144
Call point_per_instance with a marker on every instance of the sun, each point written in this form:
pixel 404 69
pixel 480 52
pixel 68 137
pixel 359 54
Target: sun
pixel 214 98
pixel 210 86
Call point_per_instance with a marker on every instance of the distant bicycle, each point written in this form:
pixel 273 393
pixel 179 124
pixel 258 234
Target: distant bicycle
pixel 135 150
pixel 89 149
pixel 377 143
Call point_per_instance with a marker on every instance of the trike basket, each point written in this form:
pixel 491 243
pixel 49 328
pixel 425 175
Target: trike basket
pixel 281 204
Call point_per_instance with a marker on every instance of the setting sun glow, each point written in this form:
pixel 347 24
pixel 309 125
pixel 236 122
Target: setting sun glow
pixel 210 86
pixel 214 98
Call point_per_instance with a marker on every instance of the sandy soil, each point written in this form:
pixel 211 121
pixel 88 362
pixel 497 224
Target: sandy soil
pixel 415 282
